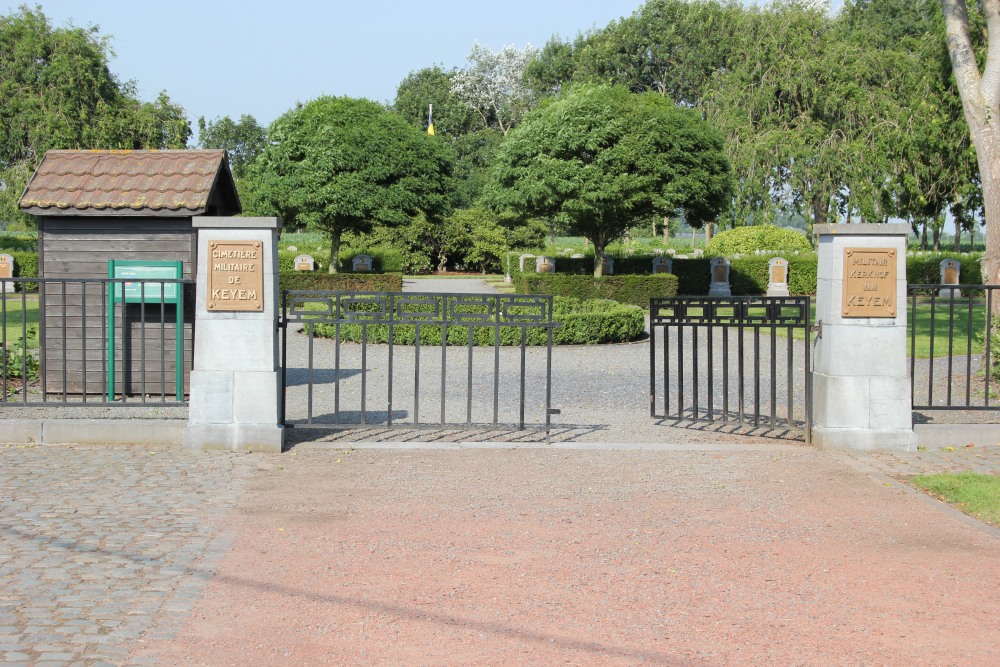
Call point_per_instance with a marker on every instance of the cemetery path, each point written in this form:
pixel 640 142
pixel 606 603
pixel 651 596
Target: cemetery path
pixel 776 555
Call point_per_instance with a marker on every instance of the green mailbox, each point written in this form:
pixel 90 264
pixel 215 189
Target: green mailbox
pixel 146 293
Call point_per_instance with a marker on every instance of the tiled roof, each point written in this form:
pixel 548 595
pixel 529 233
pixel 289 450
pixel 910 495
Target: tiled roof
pixel 169 182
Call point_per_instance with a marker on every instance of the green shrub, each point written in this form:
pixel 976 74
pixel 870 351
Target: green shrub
pixel 925 269
pixel 25 266
pixel 18 241
pixel 384 260
pixel 355 282
pixel 590 322
pixel 750 239
pixel 630 289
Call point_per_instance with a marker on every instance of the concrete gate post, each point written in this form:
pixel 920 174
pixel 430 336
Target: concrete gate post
pixel 236 380
pixel 861 384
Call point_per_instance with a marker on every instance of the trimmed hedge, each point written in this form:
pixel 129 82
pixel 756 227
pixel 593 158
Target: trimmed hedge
pixel 746 240
pixel 384 260
pixel 926 269
pixel 356 282
pixel 628 289
pixel 584 322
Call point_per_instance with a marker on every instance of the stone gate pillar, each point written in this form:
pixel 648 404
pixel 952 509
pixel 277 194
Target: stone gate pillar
pixel 861 384
pixel 236 381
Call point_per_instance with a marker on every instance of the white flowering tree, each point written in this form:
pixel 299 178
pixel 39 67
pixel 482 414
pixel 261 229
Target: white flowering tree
pixel 494 86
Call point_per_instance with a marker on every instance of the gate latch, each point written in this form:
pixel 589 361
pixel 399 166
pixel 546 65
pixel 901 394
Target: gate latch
pixel 817 329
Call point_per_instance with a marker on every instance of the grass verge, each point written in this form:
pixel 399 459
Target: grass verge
pixel 972 493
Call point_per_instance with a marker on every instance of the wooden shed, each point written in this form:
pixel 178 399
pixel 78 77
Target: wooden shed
pixel 95 206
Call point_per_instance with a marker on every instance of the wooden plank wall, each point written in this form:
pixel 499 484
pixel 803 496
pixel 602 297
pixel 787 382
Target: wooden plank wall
pixel 80 247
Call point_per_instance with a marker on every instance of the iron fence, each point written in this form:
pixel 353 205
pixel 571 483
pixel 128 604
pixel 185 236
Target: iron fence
pixel 387 334
pixel 953 347
pixel 95 341
pixel 731 359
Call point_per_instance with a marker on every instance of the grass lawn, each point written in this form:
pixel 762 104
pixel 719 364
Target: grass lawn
pixel 15 317
pixel 973 493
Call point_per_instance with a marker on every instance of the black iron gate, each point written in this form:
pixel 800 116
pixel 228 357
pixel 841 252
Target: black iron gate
pixel 396 360
pixel 731 359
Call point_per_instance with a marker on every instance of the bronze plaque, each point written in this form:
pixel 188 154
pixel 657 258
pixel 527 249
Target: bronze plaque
pixel 950 275
pixel 869 282
pixel 236 276
pixel 719 275
pixel 6 270
pixel 778 272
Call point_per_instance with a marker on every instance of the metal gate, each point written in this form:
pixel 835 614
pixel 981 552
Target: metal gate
pixel 743 360
pixel 412 360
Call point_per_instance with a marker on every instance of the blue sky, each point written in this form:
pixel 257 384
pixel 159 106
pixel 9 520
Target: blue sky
pixel 227 57
pixel 220 58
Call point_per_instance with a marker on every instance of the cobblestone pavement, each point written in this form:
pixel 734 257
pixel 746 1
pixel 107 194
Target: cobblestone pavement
pixel 929 460
pixel 101 547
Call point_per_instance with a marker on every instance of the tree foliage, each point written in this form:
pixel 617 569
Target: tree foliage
pixel 58 92
pixel 494 84
pixel 242 140
pixel 340 165
pixel 601 158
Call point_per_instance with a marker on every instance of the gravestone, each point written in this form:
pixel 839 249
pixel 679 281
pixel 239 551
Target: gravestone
pixel 777 277
pixel 951 271
pixel 663 265
pixel 7 271
pixel 720 277
pixel 609 266
pixel 305 263
pixel 578 256
pixel 545 264
pixel 361 264
pixel 520 261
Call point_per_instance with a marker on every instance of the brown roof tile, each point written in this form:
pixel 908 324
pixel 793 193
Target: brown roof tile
pixel 170 182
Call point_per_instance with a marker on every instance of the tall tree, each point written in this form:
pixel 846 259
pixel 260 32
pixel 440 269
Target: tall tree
pixel 979 87
pixel 340 165
pixel 494 84
pixel 603 159
pixel 242 140
pixel 58 92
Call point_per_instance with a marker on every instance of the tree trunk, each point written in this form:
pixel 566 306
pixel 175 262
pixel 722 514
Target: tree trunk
pixel 820 206
pixel 923 236
pixel 334 251
pixel 709 232
pixel 598 258
pixel 666 232
pixel 958 236
pixel 980 93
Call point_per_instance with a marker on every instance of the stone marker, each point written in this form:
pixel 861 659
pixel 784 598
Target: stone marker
pixel 305 263
pixel 663 265
pixel 7 271
pixel 578 256
pixel 545 264
pixel 361 264
pixel 777 277
pixel 609 266
pixel 951 271
pixel 720 278
pixel 861 379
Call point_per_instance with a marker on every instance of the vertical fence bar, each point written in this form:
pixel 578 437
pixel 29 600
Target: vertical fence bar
pixel 337 378
pixel 142 337
pixel 284 354
pixel 680 371
pixel 83 332
pixel 652 359
pixel 364 373
pixel 496 367
pixel 65 345
pixel 725 373
pixel 416 375
pixel 913 348
pixel 694 372
pixel 756 376
pixel 468 383
pixel 930 359
pixel 989 344
pixel 951 346
pixel 790 367
pixel 711 373
pixel 548 377
pixel 444 357
pixel 3 337
pixel 774 374
pixel 666 372
pixel 391 346
pixel 310 378
pixel 524 338
pixel 808 375
pixel 968 349
pixel 163 343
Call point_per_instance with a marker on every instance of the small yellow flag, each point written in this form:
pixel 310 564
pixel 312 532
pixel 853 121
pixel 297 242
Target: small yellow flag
pixel 430 129
pixel 430 119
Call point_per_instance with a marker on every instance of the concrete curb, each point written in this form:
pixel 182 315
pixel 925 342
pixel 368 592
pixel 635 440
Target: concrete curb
pixel 93 431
